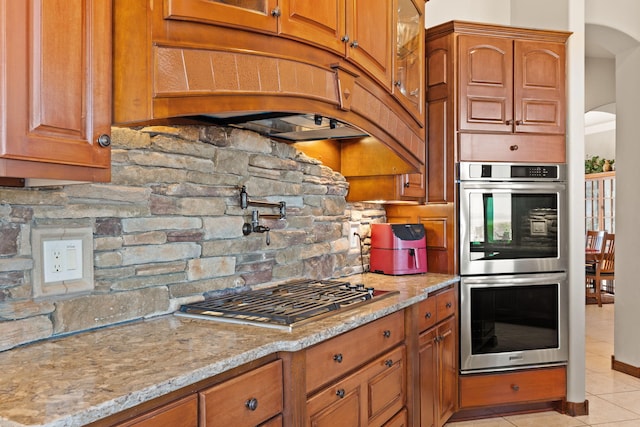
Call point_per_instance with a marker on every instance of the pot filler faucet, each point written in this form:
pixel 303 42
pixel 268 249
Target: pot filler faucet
pixel 254 226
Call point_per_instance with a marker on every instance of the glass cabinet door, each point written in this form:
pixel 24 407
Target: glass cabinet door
pixel 255 14
pixel 409 56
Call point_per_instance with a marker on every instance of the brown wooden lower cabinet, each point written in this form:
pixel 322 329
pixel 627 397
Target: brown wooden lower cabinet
pixel 438 373
pixel 524 386
pixel 371 396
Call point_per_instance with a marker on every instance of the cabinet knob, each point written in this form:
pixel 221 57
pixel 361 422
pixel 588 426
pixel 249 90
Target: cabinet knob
pixel 513 147
pixel 104 140
pixel 340 393
pixel 252 404
pixel 388 363
pixel 407 185
pixel 515 387
pixel 519 122
pixel 427 315
pixel 345 38
pixel 386 334
pixel 276 12
pixel 449 304
pixel 397 83
pixel 509 122
pixel 338 357
pixel 354 44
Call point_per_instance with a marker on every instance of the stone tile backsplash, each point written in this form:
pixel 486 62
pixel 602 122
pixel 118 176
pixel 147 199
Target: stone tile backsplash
pixel 168 228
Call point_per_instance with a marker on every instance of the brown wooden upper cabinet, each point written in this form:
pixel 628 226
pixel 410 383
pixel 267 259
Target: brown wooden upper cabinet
pixel 357 61
pixel 55 90
pixel 360 30
pixel 494 94
pixel 510 85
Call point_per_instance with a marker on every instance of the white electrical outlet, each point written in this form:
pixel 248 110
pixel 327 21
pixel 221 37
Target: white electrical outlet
pixel 353 234
pixel 62 260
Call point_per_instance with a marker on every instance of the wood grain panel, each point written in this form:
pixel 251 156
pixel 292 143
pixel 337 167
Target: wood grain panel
pixel 194 72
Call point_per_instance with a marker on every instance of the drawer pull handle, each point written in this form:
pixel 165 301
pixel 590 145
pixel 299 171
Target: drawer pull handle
pixel 515 387
pixel 449 304
pixel 514 147
pixel 104 140
pixel 386 333
pixel 428 315
pixel 340 393
pixel 389 363
pixel 338 357
pixel 252 404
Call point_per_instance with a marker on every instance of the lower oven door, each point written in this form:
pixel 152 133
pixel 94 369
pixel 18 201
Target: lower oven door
pixel 512 227
pixel 511 321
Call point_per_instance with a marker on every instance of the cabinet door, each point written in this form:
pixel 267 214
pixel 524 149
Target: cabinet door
pixel 447 370
pixel 427 360
pixel 370 30
pixel 255 14
pixel 539 87
pixel 408 80
pixel 320 22
pixel 57 59
pixel 412 186
pixel 438 379
pixel 486 83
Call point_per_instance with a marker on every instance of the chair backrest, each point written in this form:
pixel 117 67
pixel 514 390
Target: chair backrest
pixel 595 239
pixel 608 258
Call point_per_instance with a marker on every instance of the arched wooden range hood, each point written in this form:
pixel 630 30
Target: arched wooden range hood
pixel 173 60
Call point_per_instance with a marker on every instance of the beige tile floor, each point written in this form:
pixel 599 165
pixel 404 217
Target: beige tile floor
pixel 614 398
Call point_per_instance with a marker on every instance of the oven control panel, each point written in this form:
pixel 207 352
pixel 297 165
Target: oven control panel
pixel 510 171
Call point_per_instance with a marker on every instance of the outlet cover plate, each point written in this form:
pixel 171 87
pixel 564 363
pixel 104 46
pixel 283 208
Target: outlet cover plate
pixel 62 260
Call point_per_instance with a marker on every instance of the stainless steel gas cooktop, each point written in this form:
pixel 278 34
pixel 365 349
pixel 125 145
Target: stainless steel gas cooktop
pixel 284 306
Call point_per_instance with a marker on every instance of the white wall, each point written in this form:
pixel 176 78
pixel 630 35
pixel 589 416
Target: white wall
pixel 488 11
pixel 627 314
pixel 600 82
pixel 601 144
pixel 544 14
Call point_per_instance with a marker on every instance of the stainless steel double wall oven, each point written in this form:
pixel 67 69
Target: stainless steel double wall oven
pixel 513 263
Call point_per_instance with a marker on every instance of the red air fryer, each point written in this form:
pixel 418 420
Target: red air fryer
pixel 398 249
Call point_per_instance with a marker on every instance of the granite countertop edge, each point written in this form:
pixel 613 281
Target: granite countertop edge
pixel 263 343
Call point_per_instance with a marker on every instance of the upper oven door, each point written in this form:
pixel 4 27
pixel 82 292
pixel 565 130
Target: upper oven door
pixel 512 227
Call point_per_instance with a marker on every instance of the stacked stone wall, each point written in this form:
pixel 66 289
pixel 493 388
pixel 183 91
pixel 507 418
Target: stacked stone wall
pixel 168 228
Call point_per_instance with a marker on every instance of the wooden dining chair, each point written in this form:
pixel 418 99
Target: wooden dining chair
pixel 603 269
pixel 594 239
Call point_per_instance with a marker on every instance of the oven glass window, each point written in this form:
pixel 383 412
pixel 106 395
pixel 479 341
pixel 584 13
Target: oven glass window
pixel 504 225
pixel 514 318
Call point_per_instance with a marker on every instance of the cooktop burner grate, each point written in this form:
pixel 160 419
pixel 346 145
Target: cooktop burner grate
pixel 282 306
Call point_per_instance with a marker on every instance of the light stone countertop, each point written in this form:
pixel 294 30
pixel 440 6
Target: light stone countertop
pixel 78 379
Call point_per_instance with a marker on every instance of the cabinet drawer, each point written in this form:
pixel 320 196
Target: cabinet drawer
pixel 427 313
pixel 512 148
pixel 543 384
pixel 183 413
pixel 333 358
pixel 369 396
pixel 446 304
pixel 247 400
pixel 436 308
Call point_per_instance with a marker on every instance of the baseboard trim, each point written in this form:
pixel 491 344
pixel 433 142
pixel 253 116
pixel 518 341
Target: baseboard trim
pixel 625 368
pixel 576 409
